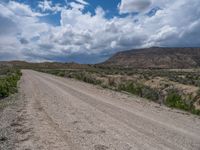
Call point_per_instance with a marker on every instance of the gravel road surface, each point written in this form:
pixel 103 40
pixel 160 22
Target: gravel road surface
pixel 65 114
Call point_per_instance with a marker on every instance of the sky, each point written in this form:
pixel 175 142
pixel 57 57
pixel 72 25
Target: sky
pixel 90 31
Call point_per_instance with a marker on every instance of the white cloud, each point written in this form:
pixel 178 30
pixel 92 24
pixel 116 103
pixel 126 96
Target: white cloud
pixel 21 10
pixel 129 6
pixel 82 2
pixel 76 6
pixel 47 5
pixel 19 22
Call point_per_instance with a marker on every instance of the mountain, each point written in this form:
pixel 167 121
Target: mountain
pixel 156 57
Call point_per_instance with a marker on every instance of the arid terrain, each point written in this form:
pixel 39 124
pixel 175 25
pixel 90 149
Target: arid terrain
pixel 62 113
pixel 99 75
pixel 156 57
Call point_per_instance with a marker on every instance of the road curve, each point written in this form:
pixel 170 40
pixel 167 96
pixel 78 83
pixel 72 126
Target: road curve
pixel 64 114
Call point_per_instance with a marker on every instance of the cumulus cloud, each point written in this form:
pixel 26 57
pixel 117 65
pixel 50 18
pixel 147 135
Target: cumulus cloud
pixel 79 6
pixel 129 6
pixel 47 5
pixel 19 24
pixel 24 36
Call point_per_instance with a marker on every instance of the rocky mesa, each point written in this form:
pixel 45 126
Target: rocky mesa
pixel 156 57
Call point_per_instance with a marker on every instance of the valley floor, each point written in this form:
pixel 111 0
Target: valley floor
pixel 61 114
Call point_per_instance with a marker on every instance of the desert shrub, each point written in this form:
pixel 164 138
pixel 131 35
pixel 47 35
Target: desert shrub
pixel 175 100
pixel 111 81
pixel 5 71
pixel 150 93
pixel 198 83
pixel 4 88
pixel 196 112
pixel 198 93
pixel 8 83
pixel 131 88
pixel 83 76
pixel 57 72
pixel 90 79
pixel 139 90
pixel 62 73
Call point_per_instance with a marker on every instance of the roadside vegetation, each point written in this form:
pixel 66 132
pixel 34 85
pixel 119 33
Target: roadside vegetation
pixel 174 88
pixel 8 81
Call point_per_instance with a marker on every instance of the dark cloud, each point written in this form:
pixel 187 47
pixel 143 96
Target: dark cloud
pixel 7 26
pixel 47 46
pixel 23 41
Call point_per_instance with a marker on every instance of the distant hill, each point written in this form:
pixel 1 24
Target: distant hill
pixel 156 57
pixel 43 65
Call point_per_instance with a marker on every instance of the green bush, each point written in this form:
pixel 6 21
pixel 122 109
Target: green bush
pixel 4 88
pixel 8 83
pixel 62 74
pixel 150 93
pixel 131 88
pixel 175 100
pixel 196 112
pixel 88 78
pixel 139 90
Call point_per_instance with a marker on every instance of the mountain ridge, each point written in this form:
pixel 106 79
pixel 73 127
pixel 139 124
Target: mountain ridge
pixel 156 57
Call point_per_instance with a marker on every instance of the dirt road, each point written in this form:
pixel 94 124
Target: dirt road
pixel 64 114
